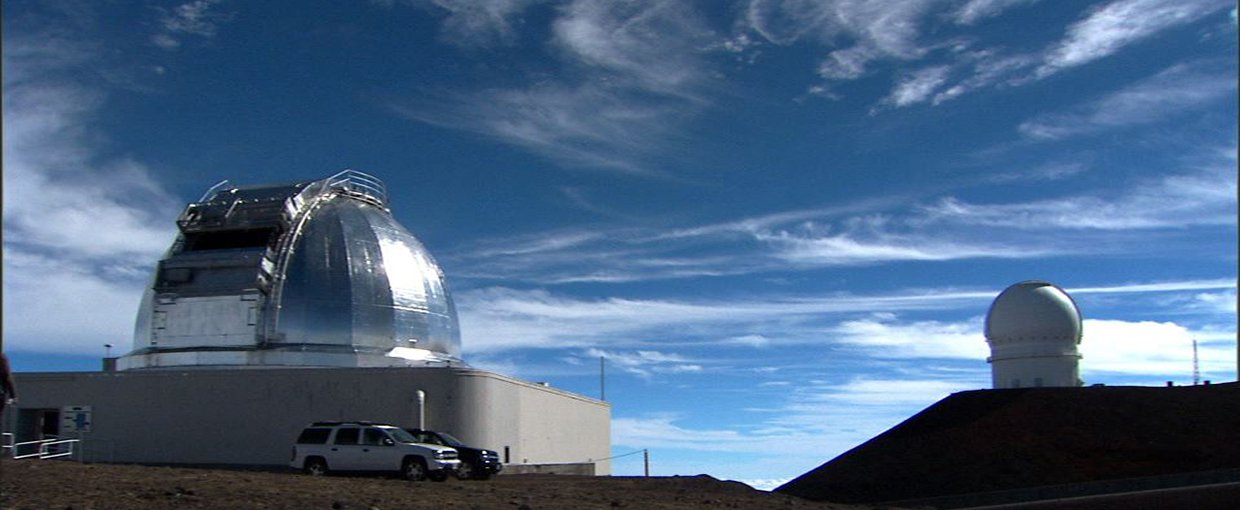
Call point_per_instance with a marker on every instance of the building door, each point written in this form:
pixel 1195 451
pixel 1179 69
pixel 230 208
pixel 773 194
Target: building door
pixel 36 424
pixel 50 426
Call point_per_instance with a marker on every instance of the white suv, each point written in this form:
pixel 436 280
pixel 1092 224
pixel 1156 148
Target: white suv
pixel 366 446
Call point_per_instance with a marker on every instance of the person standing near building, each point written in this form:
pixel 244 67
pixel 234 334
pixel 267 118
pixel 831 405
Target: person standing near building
pixel 8 389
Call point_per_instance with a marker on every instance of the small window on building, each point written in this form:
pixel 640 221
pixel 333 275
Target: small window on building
pixel 314 436
pixel 177 275
pixel 347 436
pixel 229 239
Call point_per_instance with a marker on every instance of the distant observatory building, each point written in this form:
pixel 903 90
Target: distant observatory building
pixel 1033 329
pixel 280 305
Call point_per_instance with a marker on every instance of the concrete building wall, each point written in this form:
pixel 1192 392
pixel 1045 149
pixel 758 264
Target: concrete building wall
pixel 252 416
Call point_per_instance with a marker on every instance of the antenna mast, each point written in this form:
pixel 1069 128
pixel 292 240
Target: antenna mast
pixel 1196 365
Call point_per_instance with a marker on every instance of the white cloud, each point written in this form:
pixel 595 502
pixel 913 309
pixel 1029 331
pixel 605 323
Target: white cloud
pixel 1195 198
pixel 1171 93
pixel 857 34
pixel 1184 285
pixel 61 306
pixel 1147 349
pixel 196 18
pixel 1192 193
pixel 807 426
pixel 847 64
pixel 1108 29
pixel 976 10
pixel 918 86
pixel 585 126
pixel 632 73
pixel 645 363
pixel 82 231
pixel 878 29
pixel 480 22
pixel 653 44
pixel 881 393
pixel 1052 171
pixel 500 319
pixel 885 337
pixel 853 249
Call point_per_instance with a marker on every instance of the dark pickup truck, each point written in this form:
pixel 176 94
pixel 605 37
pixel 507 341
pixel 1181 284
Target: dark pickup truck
pixel 476 463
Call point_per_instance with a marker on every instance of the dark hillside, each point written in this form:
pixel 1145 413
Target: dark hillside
pixel 990 440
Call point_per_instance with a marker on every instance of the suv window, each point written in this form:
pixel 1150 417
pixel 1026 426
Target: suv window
pixel 374 437
pixel 314 436
pixel 346 436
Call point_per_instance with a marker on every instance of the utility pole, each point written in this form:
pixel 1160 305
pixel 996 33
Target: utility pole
pixel 602 379
pixel 646 457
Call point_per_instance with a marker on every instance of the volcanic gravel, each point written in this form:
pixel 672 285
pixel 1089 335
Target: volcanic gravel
pixel 30 484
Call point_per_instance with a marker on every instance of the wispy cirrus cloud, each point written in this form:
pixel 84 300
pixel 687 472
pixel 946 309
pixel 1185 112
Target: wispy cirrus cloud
pixel 919 86
pixel 82 230
pixel 976 10
pixel 197 18
pixel 1180 89
pixel 632 73
pixel 1108 29
pixel 1198 197
pixel 499 319
pixel 877 30
pixel 476 22
pixel 645 363
pixel 651 45
pixel 1191 193
pixel 857 35
pixel 876 246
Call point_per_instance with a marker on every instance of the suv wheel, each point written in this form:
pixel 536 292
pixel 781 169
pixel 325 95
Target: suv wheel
pixel 316 466
pixel 414 469
pixel 464 470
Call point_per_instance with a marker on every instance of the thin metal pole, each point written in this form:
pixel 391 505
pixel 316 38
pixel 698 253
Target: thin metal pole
pixel 646 455
pixel 602 379
pixel 421 410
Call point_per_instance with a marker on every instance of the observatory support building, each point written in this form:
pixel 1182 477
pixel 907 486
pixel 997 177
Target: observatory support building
pixel 1033 328
pixel 280 305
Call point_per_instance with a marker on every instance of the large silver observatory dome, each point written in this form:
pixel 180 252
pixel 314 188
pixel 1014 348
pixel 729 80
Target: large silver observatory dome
pixel 314 273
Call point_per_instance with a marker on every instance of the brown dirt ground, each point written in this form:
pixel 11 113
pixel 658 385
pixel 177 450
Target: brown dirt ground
pixel 994 440
pixel 62 485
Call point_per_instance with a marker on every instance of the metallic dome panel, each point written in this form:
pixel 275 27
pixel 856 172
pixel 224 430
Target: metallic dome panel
pixel 357 279
pixel 317 273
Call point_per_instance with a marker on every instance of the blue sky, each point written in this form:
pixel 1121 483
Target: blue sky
pixel 781 222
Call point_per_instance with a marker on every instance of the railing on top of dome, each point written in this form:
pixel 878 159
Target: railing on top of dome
pixel 359 184
pixel 211 191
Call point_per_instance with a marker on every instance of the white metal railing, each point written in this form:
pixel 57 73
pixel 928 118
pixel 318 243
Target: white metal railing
pixel 359 183
pixel 6 445
pixel 51 448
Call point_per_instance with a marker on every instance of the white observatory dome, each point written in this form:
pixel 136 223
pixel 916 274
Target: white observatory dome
pixel 1033 311
pixel 314 273
pixel 1033 329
